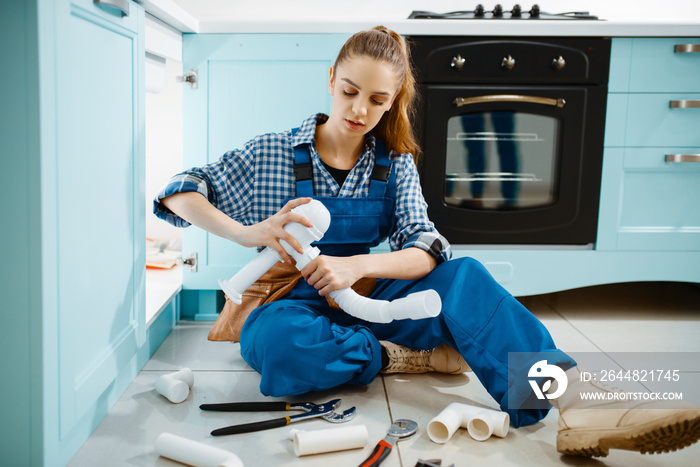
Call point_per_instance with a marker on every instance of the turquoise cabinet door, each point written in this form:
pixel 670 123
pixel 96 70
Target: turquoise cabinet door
pixel 248 84
pixel 94 216
pixel 648 203
pixel 659 65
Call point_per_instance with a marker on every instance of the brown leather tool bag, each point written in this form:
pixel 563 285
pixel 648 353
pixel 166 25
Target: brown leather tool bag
pixel 273 285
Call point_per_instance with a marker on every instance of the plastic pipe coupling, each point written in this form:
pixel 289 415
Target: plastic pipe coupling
pixel 189 452
pixel 329 440
pixel 481 423
pixel 175 386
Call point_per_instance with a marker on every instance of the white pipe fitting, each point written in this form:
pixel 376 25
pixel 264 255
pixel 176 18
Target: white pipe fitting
pixel 190 452
pixel 419 305
pixel 175 386
pixel 481 423
pixel 319 216
pixel 329 440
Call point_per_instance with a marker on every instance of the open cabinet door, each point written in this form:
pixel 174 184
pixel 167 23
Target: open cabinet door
pixel 247 84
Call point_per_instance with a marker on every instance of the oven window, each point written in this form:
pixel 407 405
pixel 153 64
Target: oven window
pixel 501 160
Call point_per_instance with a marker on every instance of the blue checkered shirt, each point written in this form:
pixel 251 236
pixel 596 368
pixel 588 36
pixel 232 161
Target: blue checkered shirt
pixel 252 183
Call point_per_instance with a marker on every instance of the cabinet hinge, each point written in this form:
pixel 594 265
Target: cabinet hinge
pixel 190 261
pixel 190 78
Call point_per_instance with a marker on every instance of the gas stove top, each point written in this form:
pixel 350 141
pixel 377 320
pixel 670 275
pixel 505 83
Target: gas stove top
pixel 498 12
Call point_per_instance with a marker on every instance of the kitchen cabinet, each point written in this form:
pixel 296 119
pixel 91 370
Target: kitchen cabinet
pixel 74 197
pixel 247 84
pixel 654 115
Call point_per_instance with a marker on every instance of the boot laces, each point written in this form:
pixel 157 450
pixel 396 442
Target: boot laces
pixel 408 359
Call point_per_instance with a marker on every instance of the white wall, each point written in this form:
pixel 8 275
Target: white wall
pixel 163 147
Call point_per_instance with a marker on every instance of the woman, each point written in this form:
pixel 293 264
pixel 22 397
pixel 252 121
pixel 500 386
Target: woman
pixel 358 162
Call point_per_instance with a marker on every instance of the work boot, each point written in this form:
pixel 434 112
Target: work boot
pixel 593 427
pixel 442 359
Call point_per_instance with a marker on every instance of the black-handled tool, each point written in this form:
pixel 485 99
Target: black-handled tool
pixel 325 411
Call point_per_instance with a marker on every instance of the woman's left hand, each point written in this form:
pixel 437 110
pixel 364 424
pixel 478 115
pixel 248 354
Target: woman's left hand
pixel 329 273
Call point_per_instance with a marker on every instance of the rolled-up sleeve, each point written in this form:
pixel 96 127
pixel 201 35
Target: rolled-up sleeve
pixel 413 227
pixel 180 183
pixel 227 184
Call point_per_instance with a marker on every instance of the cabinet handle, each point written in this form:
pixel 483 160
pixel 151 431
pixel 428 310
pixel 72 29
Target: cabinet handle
pixel 679 158
pixel 687 48
pixel 460 101
pixel 121 5
pixel 685 104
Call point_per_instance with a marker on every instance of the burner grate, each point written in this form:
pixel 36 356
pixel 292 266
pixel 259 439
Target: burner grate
pixel 499 13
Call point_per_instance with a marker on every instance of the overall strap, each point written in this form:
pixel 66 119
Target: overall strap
pixel 383 178
pixel 382 183
pixel 303 170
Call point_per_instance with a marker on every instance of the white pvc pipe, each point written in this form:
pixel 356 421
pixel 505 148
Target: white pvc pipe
pixel 175 386
pixel 419 305
pixel 329 440
pixel 187 451
pixel 481 423
pixel 319 216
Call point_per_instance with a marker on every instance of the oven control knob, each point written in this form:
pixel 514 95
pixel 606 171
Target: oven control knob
pixel 457 62
pixel 497 11
pixel 516 12
pixel 508 63
pixel 535 11
pixel 558 63
pixel 479 12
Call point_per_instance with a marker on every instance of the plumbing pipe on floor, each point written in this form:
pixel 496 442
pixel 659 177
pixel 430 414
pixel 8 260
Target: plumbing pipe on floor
pixel 481 423
pixel 329 440
pixel 175 386
pixel 187 451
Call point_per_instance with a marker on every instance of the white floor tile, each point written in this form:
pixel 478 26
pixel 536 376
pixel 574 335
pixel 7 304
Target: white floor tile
pixel 647 317
pixel 187 346
pixel 604 320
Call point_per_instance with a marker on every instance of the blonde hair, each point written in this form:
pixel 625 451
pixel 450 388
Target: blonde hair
pixel 385 45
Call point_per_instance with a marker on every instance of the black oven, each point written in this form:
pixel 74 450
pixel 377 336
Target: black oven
pixel 512 137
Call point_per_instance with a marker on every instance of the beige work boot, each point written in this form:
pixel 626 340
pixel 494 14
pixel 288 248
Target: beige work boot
pixel 442 359
pixel 591 428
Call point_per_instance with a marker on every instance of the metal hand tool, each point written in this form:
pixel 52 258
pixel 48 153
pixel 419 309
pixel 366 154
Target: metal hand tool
pixel 399 429
pixel 325 411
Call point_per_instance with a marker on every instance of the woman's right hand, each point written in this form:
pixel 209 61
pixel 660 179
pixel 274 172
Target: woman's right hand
pixel 270 231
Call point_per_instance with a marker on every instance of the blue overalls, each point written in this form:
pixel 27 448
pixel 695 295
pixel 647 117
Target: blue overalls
pixel 300 344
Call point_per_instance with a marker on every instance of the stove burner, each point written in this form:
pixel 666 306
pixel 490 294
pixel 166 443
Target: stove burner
pixel 499 13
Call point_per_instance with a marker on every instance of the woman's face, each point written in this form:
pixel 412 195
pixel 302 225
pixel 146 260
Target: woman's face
pixel 363 89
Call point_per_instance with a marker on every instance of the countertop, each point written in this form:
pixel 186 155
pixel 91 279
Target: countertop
pixel 618 18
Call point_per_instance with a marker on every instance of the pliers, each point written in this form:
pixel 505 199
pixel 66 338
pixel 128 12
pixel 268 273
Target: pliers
pixel 325 411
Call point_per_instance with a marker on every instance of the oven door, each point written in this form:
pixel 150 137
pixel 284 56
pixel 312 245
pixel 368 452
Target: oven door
pixel 513 164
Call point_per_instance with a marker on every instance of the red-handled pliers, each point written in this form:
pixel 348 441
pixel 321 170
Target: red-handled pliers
pixel 399 429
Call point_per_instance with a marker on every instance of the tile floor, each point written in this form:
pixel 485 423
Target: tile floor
pixel 647 317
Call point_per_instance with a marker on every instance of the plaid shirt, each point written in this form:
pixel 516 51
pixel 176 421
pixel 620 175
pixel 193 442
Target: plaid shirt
pixel 252 183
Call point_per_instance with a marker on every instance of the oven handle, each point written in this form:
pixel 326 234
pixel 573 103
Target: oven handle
pixel 461 101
